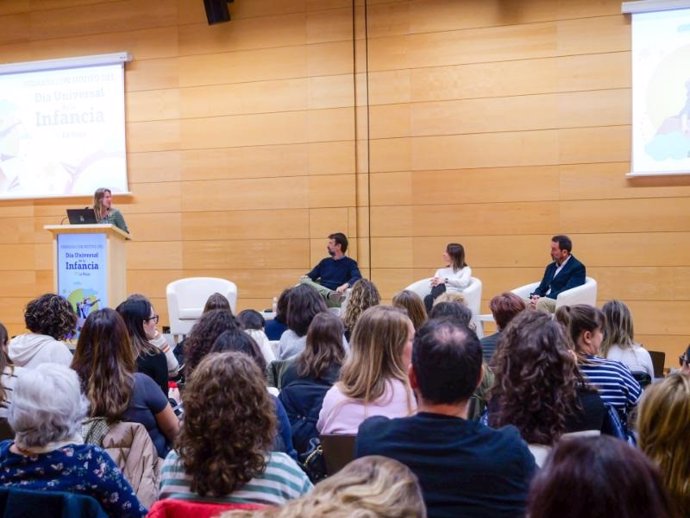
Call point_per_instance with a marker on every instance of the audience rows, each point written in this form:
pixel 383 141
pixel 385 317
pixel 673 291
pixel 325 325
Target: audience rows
pixel 544 418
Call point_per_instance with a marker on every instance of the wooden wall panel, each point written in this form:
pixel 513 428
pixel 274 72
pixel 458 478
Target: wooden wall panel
pixel 496 124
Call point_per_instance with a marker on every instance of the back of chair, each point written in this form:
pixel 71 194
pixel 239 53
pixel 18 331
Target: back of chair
pixel 171 508
pixel 187 297
pixel 472 294
pixel 642 377
pixel 338 451
pixel 585 294
pixel 20 503
pixel 658 361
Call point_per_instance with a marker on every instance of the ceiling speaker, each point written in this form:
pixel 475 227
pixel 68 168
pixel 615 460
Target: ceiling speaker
pixel 216 11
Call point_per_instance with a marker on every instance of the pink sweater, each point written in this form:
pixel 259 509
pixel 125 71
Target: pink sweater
pixel 342 415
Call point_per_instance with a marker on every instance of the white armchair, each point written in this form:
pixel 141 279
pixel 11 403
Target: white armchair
pixel 472 294
pixel 585 294
pixel 187 297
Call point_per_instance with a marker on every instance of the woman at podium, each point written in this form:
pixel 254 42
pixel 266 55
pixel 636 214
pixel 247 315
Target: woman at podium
pixel 105 212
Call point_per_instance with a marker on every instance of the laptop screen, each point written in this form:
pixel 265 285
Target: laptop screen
pixel 81 216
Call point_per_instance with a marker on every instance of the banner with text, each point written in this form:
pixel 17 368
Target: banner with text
pixel 82 272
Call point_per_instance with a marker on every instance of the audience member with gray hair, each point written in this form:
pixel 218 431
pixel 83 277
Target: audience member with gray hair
pixel 47 452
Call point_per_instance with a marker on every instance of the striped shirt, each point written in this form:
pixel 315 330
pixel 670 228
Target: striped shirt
pixel 282 480
pixel 615 382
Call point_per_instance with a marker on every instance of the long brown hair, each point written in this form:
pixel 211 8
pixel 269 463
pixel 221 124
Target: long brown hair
pixel 105 362
pixel 413 306
pixel 98 196
pixel 229 424
pixel 456 252
pixel 324 347
pixel 375 356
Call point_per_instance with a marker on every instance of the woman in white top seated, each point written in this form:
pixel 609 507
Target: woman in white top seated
pixel 619 343
pixel 456 276
pixel 373 380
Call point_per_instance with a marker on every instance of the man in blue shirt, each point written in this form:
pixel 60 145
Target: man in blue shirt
pixel 334 274
pixel 464 467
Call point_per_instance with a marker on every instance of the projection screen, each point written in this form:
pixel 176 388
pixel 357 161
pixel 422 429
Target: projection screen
pixel 661 89
pixel 62 127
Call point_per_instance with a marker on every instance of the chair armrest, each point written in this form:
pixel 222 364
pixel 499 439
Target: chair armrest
pixel 524 291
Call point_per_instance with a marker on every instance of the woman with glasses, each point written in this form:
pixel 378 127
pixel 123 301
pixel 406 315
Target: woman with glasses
pixel 141 319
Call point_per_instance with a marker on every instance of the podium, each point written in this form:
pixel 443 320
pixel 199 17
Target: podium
pixel 89 265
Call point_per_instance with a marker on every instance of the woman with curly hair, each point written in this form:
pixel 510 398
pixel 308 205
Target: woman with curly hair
pixel 140 318
pixel 373 380
pixel 413 305
pixel 236 340
pixel 306 381
pixel 204 333
pixel 538 388
pixel 8 373
pixel 51 319
pixel 105 362
pixel 304 302
pixel 663 421
pixel 363 295
pixel 223 451
pixel 373 486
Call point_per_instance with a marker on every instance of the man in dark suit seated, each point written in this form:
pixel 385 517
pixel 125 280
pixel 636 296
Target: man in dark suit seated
pixel 464 467
pixel 564 273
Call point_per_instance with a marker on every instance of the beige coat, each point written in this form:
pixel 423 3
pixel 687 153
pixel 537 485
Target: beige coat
pixel 132 449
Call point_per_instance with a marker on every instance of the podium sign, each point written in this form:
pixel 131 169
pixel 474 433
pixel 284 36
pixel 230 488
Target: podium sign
pixel 82 271
pixel 90 266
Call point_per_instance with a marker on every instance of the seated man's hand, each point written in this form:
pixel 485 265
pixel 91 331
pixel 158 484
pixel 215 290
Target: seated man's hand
pixel 342 288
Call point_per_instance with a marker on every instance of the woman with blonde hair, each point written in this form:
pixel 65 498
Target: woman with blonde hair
pixel 619 339
pixel 104 210
pixel 223 451
pixel 364 295
pixel 413 306
pixel 663 422
pixel 373 380
pixel 372 487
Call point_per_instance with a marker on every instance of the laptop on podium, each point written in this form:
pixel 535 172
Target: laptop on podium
pixel 81 216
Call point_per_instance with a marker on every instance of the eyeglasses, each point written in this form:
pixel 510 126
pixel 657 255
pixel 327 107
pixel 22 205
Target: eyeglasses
pixel 155 318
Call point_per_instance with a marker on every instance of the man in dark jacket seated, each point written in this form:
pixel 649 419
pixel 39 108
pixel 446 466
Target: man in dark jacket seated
pixel 564 273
